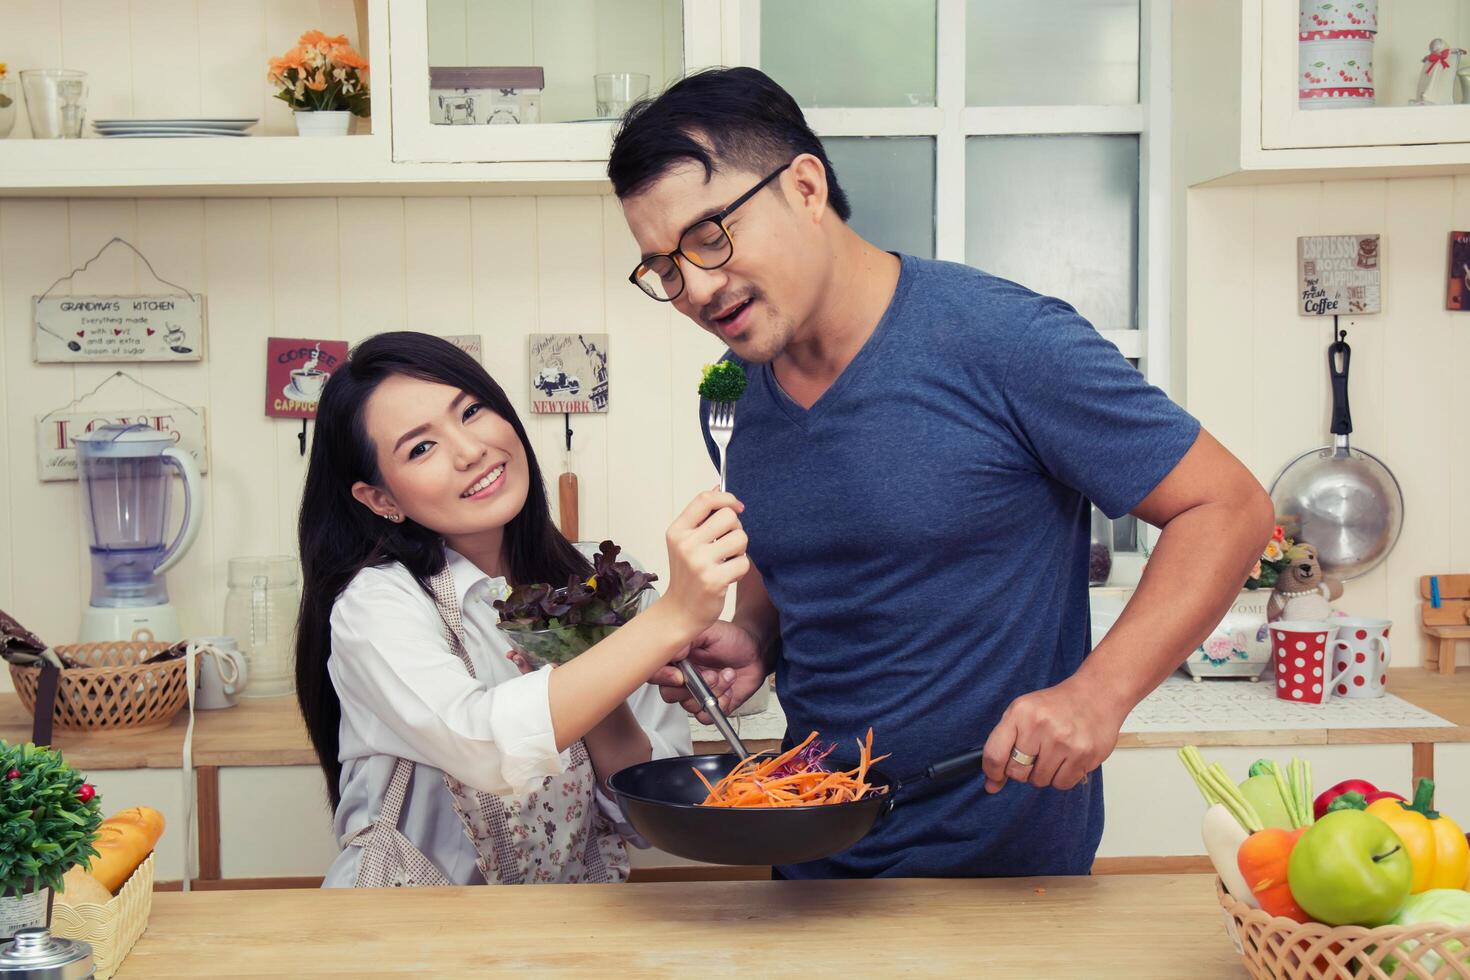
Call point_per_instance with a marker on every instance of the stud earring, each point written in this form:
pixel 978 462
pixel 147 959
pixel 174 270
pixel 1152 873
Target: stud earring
pixel 395 518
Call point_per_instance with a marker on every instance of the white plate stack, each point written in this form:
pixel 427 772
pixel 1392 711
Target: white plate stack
pixel 171 128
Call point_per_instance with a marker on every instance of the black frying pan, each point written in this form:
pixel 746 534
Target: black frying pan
pixel 662 801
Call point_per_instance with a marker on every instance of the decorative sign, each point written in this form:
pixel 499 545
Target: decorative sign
pixel 469 343
pixel 569 372
pixel 118 328
pixel 1457 293
pixel 57 456
pixel 296 371
pixel 1338 274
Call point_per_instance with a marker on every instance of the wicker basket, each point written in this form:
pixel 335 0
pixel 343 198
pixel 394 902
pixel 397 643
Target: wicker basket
pixel 115 691
pixel 1277 948
pixel 114 928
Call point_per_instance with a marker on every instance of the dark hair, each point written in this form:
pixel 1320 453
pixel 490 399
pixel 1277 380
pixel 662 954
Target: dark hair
pixel 719 117
pixel 339 537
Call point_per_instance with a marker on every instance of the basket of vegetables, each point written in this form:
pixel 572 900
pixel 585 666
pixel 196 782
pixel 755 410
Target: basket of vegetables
pixel 1353 883
pixel 550 625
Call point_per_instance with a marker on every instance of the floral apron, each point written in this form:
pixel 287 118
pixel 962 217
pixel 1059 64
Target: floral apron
pixel 554 834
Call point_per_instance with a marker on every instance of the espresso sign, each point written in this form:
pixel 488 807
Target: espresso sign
pixel 1338 275
pixel 56 453
pixel 296 371
pixel 118 328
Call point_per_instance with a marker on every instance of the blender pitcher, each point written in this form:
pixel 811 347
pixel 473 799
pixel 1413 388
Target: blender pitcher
pixel 125 472
pixel 261 607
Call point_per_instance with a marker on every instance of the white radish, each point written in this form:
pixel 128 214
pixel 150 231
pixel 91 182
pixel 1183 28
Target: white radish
pixel 1223 835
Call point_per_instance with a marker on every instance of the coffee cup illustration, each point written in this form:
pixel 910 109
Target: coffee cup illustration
pixel 309 382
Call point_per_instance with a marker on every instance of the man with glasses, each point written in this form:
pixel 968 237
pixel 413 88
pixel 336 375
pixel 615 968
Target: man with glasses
pixel 917 449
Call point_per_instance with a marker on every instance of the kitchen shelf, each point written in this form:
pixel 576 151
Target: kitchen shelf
pixel 1233 132
pixel 268 166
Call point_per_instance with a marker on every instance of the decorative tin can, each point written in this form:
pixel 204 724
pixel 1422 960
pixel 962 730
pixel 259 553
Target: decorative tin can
pixel 483 96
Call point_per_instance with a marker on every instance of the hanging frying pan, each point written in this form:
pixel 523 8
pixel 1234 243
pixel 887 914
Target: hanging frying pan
pixel 1342 501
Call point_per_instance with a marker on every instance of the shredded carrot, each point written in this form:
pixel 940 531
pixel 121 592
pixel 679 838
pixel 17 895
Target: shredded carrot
pixel 796 777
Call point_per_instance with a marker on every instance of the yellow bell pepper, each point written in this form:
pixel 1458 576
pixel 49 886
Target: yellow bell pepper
pixel 1437 847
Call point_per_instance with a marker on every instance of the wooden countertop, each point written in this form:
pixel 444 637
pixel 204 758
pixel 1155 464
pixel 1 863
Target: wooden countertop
pixel 1098 927
pixel 269 731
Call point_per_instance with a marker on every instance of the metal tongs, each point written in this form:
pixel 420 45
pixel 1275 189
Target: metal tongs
pixel 710 703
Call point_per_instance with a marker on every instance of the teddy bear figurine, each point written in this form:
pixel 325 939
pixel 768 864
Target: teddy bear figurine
pixel 1302 592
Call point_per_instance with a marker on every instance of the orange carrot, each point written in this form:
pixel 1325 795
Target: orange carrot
pixel 754 782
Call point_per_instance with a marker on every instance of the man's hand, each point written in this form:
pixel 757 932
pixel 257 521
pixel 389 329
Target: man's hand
pixel 729 660
pixel 1067 732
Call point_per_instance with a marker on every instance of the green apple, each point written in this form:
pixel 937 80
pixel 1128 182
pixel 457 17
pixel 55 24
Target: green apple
pixel 1350 868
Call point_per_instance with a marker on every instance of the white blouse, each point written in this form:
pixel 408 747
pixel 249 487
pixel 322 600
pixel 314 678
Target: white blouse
pixel 405 694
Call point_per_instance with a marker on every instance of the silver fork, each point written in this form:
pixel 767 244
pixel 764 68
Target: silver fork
pixel 721 423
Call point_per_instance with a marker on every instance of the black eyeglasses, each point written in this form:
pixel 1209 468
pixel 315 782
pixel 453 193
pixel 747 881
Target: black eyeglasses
pixel 706 244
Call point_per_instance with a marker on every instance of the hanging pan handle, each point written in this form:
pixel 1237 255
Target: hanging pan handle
pixel 1339 356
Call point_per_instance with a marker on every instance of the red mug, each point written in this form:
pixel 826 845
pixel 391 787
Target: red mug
pixel 1300 651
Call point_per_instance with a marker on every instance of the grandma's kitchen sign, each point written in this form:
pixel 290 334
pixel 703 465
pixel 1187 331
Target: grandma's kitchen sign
pixel 56 454
pixel 1338 275
pixel 569 372
pixel 118 328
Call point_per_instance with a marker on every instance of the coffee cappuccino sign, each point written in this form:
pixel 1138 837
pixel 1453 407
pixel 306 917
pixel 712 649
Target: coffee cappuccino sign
pixel 296 373
pixel 70 329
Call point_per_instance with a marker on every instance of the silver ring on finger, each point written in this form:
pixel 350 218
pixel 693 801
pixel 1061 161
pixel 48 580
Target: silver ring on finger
pixel 1022 758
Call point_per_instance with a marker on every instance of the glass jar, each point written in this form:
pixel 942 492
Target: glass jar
pixel 1100 552
pixel 261 609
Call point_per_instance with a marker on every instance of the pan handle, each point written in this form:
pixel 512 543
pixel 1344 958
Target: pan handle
pixel 960 765
pixel 1339 356
pixel 951 768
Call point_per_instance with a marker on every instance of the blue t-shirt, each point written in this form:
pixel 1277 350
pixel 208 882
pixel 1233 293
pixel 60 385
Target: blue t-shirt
pixel 923 531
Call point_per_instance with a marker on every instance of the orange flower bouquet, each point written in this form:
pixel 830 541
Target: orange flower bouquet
pixel 322 74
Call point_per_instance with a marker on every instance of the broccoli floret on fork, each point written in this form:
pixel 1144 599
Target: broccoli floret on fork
pixel 722 382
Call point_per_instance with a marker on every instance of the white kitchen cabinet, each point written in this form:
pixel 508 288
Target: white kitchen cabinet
pixel 570 40
pixel 400 151
pixel 1236 67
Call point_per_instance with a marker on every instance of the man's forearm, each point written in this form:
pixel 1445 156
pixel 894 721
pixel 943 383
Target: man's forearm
pixel 755 614
pixel 1198 568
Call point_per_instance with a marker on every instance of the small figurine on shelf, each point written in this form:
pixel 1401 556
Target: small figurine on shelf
pixel 1302 592
pixel 1437 80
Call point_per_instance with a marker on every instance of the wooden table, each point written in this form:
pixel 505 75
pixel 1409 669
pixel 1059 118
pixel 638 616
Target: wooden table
pixel 269 732
pixel 1099 927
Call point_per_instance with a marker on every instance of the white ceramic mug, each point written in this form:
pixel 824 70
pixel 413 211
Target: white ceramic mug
pixel 1360 657
pixel 223 671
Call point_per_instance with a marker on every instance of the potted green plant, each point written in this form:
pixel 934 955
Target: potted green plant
pixel 324 81
pixel 49 817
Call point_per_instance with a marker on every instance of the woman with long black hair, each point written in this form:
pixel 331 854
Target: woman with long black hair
pixel 447 761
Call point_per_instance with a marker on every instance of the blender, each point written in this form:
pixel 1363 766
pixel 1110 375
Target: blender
pixel 126 475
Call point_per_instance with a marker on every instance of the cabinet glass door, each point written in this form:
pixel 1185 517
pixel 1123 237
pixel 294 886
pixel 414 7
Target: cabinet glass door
pixel 507 80
pixel 1364 73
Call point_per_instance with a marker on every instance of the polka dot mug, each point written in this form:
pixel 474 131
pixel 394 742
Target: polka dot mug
pixel 1360 657
pixel 1300 658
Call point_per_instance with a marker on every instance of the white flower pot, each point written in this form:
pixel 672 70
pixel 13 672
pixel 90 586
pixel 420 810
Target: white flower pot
pixel 1238 647
pixel 23 911
pixel 333 123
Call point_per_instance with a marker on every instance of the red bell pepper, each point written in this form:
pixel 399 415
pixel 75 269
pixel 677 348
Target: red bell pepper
pixel 1367 790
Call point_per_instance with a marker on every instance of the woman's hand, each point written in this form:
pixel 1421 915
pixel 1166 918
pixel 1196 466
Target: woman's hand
pixel 706 556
